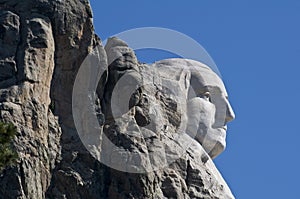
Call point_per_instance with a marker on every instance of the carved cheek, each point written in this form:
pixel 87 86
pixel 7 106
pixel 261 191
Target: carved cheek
pixel 201 114
pixel 221 110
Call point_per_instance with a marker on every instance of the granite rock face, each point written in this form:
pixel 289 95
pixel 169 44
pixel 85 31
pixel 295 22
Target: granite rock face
pixel 149 133
pixel 42 46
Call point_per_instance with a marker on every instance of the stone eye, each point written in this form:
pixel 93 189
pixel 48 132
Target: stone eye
pixel 206 96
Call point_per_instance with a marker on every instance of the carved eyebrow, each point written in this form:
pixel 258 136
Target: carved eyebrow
pixel 214 89
pixel 206 88
pixel 201 89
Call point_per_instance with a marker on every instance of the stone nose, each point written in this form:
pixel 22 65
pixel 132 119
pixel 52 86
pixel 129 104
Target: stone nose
pixel 230 115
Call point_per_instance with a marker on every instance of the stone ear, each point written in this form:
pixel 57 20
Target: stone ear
pixel 185 78
pixel 184 81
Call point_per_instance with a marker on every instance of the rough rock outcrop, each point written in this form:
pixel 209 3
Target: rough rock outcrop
pixel 42 46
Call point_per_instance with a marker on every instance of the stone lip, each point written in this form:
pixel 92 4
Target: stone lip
pixel 42 46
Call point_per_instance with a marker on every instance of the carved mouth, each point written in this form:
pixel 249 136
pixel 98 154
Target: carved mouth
pixel 225 128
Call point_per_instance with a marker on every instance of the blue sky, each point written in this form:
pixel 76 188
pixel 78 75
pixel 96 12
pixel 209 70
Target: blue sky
pixel 256 46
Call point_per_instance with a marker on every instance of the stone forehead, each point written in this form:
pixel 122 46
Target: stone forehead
pixel 173 68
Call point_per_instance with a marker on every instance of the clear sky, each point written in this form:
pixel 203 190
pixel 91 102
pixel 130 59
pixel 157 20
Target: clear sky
pixel 256 46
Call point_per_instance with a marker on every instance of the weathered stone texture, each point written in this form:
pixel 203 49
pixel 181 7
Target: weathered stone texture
pixel 27 64
pixel 42 45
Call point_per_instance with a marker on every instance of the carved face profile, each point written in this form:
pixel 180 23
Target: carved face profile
pixel 208 109
pixel 163 109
